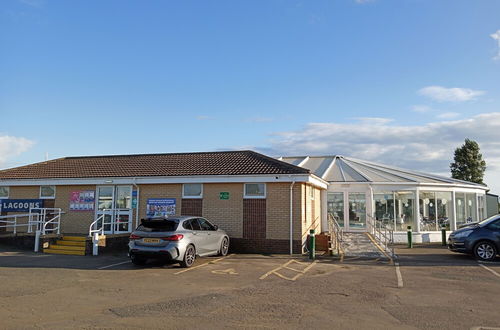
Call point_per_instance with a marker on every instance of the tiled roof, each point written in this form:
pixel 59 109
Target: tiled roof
pixel 175 164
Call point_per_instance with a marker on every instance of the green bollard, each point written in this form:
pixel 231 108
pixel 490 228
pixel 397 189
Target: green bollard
pixel 312 245
pixel 443 235
pixel 410 238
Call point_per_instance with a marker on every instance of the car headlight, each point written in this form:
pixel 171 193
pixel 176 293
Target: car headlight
pixel 463 234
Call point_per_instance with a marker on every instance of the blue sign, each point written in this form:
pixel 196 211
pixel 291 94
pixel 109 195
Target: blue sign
pixel 160 207
pixel 19 205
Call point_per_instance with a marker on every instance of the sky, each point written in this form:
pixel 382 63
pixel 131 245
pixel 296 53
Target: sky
pixel 400 82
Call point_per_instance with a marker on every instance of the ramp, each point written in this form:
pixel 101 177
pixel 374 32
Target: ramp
pixel 361 246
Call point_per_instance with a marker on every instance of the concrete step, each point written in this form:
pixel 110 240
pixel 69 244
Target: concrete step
pixel 67 247
pixel 75 238
pixel 70 243
pixel 69 252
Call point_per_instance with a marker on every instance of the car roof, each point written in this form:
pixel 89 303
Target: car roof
pixel 173 218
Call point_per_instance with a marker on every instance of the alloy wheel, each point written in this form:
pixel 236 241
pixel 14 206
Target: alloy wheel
pixel 225 246
pixel 190 256
pixel 485 251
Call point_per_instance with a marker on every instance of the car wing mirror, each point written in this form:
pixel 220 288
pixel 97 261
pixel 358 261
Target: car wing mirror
pixel 216 227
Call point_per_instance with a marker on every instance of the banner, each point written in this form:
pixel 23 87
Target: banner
pixel 82 200
pixel 19 205
pixel 157 207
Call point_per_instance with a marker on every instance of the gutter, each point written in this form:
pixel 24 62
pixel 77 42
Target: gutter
pixel 291 216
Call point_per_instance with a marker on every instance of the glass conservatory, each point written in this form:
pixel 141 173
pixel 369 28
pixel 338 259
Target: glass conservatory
pixel 361 192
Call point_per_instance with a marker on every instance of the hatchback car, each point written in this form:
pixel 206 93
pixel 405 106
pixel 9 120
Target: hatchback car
pixel 177 239
pixel 481 239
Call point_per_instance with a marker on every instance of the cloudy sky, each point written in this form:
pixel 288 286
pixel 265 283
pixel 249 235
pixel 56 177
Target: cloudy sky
pixel 401 82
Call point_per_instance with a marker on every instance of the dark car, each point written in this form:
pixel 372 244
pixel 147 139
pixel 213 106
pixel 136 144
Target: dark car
pixel 482 239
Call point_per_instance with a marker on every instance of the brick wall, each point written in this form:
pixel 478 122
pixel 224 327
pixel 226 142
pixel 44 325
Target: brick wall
pixel 159 191
pixel 74 222
pixel 254 218
pixel 278 211
pixel 191 206
pixel 227 214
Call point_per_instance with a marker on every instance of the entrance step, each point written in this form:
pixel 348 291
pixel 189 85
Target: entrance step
pixel 360 245
pixel 72 245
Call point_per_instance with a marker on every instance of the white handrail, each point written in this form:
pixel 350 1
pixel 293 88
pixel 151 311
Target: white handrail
pixel 91 231
pixel 384 235
pixel 336 234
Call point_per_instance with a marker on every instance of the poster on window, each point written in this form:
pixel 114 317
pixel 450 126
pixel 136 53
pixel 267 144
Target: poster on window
pixel 157 207
pixel 82 200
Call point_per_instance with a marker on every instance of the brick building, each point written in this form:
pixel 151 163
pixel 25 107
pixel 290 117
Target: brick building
pixel 264 204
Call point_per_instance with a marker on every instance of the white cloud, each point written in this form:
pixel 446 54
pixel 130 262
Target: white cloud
pixel 427 148
pixel 421 108
pixel 443 94
pixel 448 115
pixel 374 120
pixel 496 37
pixel 11 146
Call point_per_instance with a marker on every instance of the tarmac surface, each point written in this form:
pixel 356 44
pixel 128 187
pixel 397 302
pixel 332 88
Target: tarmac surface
pixel 435 289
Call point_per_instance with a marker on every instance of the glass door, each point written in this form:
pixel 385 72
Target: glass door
pixel 336 206
pixel 357 211
pixel 114 209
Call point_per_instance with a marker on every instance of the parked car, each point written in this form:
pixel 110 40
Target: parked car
pixel 482 239
pixel 178 239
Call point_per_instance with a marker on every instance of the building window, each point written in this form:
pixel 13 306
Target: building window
pixel 47 192
pixel 255 190
pixel 192 190
pixel 4 192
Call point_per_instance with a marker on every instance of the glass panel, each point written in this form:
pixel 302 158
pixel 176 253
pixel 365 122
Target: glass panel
pixel 123 200
pixel 428 219
pixel 107 223
pixel 470 207
pixel 405 202
pixel 47 191
pixel 192 189
pixel 336 206
pixel 481 207
pixel 255 189
pixel 384 208
pixel 105 195
pixel 4 192
pixel 121 223
pixel 460 206
pixel 444 204
pixel 357 210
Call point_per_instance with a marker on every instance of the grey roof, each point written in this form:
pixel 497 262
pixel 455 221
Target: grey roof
pixel 345 169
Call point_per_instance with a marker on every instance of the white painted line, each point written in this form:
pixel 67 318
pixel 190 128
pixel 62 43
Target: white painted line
pixel 398 274
pixel 207 263
pixel 120 263
pixel 490 270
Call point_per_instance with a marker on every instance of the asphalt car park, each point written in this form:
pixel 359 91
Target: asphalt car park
pixel 440 290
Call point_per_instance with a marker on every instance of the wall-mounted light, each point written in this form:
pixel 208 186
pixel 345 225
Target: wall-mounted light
pixel 108 181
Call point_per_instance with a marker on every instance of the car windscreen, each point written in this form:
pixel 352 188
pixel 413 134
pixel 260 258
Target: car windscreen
pixel 155 225
pixel 488 220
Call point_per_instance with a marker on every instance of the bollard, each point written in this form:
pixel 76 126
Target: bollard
pixel 37 240
pixel 312 245
pixel 95 244
pixel 410 238
pixel 443 235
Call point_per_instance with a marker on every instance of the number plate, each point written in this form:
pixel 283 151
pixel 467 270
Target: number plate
pixel 151 240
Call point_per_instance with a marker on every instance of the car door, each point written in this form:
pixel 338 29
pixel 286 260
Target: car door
pixel 494 227
pixel 197 236
pixel 212 237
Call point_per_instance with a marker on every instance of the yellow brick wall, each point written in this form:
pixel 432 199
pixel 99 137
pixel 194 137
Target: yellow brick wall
pixel 227 214
pixel 278 210
pixel 75 222
pixel 159 191
pixel 312 210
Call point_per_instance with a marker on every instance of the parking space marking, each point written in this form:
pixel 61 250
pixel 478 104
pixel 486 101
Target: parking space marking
pixel 489 269
pixel 229 271
pixel 202 265
pixel 285 266
pixel 113 265
pixel 398 274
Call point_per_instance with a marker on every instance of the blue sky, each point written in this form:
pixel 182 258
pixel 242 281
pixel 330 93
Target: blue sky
pixel 400 82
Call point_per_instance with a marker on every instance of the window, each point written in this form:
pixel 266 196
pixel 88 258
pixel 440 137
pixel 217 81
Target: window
pixel 495 226
pixel 47 192
pixel 195 224
pixel 192 190
pixel 205 225
pixel 4 192
pixel 158 225
pixel 255 190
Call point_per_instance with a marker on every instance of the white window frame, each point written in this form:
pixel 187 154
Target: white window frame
pixel 8 193
pixel 253 196
pixel 47 197
pixel 311 192
pixel 190 196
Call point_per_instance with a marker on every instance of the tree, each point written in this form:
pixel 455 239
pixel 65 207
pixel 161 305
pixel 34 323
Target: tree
pixel 468 163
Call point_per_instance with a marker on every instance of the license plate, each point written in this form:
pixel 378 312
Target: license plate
pixel 151 240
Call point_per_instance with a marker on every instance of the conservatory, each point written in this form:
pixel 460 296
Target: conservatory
pixel 361 192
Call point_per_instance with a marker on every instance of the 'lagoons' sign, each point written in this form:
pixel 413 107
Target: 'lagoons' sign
pixel 19 205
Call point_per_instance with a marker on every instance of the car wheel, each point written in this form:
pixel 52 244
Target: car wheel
pixel 224 247
pixel 189 257
pixel 485 250
pixel 138 261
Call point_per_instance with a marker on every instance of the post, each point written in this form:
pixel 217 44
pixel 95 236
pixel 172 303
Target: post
pixel 443 235
pixel 37 240
pixel 95 244
pixel 15 225
pixel 59 223
pixel 312 245
pixel 410 238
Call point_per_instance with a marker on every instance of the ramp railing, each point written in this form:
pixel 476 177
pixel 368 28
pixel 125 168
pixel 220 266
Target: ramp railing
pixel 336 235
pixel 381 233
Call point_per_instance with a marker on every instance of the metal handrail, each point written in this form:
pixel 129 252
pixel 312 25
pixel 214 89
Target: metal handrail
pixel 94 223
pixel 382 234
pixel 13 223
pixel 336 234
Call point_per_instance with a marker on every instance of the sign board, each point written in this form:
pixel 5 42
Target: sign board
pixel 224 195
pixel 102 241
pixel 82 200
pixel 20 205
pixel 160 207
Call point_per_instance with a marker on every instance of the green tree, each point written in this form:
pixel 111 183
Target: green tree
pixel 468 163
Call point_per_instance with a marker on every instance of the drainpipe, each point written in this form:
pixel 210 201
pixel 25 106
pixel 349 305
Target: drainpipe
pixel 137 206
pixel 291 216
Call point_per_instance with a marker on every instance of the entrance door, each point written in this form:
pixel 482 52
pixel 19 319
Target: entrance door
pixel 114 204
pixel 349 209
pixel 357 211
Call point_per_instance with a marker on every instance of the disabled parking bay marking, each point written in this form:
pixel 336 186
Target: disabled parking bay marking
pixel 286 266
pixel 229 271
pixel 490 270
pixel 202 265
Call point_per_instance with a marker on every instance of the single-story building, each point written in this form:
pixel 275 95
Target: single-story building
pixel 264 204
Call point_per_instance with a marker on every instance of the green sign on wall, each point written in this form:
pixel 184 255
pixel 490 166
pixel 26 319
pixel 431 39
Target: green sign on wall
pixel 224 195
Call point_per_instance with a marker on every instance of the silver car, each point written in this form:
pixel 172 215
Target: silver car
pixel 178 239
